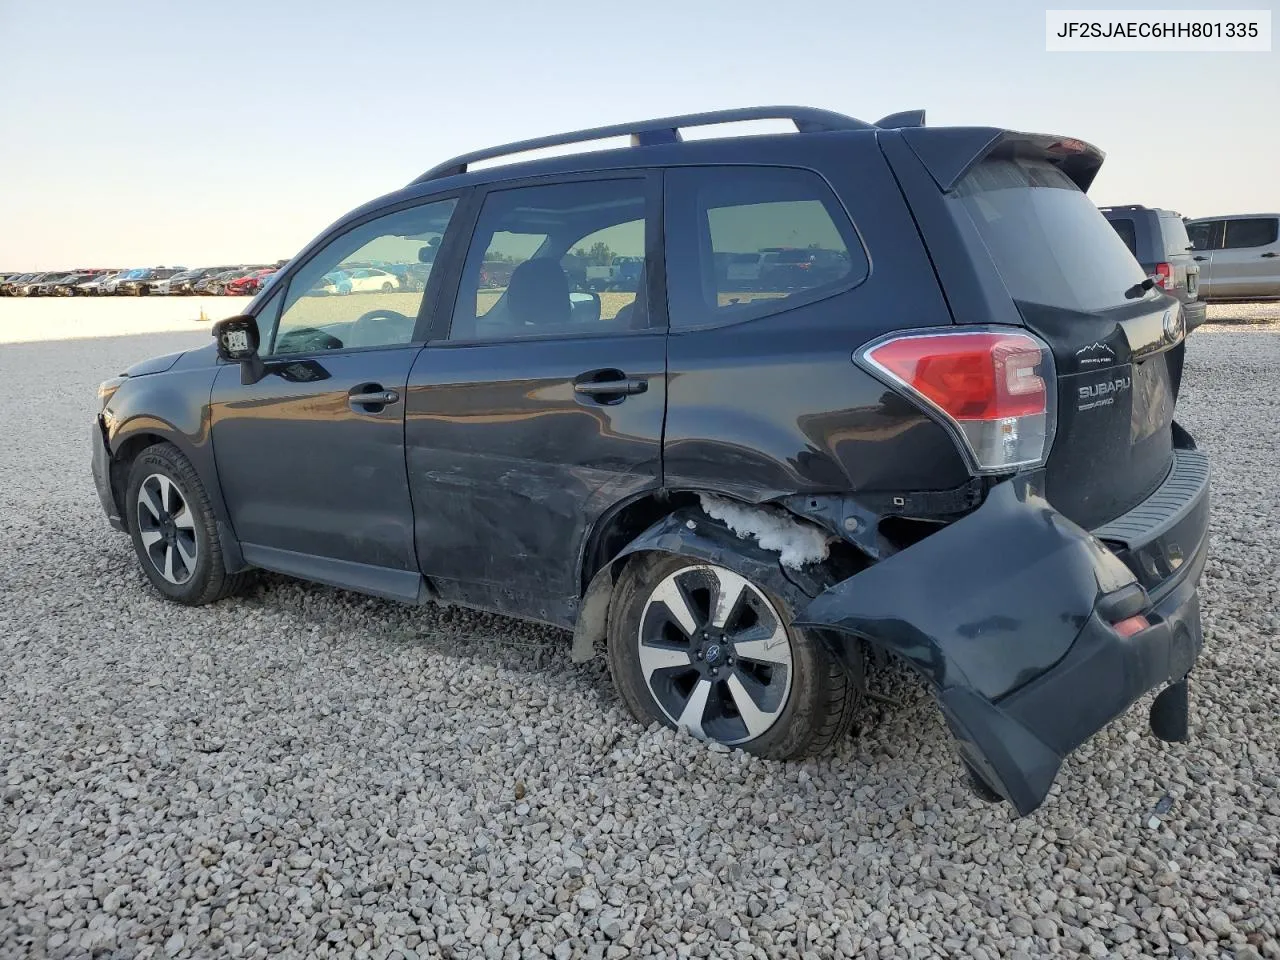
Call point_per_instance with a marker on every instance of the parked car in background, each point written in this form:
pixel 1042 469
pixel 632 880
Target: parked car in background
pixel 497 273
pixel 44 287
pixel 10 285
pixel 1239 256
pixel 248 284
pixel 371 279
pixel 185 282
pixel 66 287
pixel 332 284
pixel 214 283
pixel 1158 241
pixel 139 285
pixel 95 286
pixel 965 459
pixel 410 276
pixel 160 285
pixel 112 286
pixel 19 285
pixel 260 281
pixel 790 268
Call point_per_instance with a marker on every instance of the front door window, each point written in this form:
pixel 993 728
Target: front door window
pixel 364 289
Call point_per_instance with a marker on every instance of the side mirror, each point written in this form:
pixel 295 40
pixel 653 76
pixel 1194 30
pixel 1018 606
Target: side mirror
pixel 238 341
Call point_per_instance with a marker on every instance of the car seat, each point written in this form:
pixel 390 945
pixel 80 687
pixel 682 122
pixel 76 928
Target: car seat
pixel 635 315
pixel 538 294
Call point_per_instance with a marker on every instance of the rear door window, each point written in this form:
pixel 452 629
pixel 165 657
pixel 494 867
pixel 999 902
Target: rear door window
pixel 1254 232
pixel 1174 232
pixel 560 259
pixel 747 242
pixel 1124 227
pixel 1050 244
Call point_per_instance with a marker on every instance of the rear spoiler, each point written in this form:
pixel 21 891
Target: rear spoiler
pixel 948 153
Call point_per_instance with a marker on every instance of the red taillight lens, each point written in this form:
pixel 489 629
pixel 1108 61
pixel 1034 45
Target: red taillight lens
pixel 991 385
pixel 1131 625
pixel 969 376
pixel 1163 276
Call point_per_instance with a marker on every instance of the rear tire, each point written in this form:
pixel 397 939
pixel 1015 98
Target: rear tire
pixel 749 679
pixel 174 531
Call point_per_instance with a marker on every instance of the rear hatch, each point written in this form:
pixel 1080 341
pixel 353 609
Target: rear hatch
pixel 1117 343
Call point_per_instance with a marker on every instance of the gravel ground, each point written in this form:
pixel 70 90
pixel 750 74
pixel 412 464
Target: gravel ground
pixel 1247 316
pixel 308 772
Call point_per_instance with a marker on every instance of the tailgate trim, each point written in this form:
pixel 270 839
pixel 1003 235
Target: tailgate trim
pixel 1161 511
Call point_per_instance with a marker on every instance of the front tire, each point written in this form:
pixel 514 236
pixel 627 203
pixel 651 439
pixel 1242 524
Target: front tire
pixel 694 645
pixel 174 531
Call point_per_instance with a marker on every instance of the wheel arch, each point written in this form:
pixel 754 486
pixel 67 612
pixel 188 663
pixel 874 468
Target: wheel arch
pixel 132 438
pixel 673 522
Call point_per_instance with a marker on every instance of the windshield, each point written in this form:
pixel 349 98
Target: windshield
pixel 1049 242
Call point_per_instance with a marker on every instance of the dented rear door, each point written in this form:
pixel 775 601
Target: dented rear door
pixel 520 437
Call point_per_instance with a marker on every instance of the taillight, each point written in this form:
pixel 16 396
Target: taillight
pixel 1163 276
pixel 1131 625
pixel 994 387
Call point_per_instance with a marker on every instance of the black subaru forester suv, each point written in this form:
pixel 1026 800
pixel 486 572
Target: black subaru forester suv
pixel 945 433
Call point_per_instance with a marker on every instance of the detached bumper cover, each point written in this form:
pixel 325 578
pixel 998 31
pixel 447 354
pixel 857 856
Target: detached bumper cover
pixel 1008 612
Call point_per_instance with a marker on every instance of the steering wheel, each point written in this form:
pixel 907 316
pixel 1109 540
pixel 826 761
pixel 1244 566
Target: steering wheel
pixel 381 326
pixel 306 339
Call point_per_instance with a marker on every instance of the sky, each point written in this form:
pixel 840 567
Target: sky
pixel 148 133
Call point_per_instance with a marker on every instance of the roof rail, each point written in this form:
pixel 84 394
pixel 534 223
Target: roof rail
pixel 649 132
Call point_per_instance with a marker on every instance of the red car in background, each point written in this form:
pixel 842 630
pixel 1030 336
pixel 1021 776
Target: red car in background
pixel 250 284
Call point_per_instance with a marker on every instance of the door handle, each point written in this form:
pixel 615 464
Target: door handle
pixel 1271 253
pixel 627 386
pixel 1200 258
pixel 372 396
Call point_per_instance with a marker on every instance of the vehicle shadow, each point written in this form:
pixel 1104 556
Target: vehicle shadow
pixel 894 706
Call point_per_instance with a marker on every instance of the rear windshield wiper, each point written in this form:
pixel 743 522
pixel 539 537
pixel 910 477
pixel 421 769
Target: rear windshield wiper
pixel 1138 289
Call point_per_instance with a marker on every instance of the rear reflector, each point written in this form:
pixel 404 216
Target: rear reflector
pixel 1131 625
pixel 992 386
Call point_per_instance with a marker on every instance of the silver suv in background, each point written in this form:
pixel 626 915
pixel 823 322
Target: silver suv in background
pixel 1158 241
pixel 1238 256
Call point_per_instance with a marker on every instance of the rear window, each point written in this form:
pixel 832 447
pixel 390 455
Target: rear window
pixel 1124 228
pixel 1050 244
pixel 1174 232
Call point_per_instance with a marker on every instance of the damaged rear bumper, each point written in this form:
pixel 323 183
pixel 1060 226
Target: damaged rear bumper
pixel 1010 613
